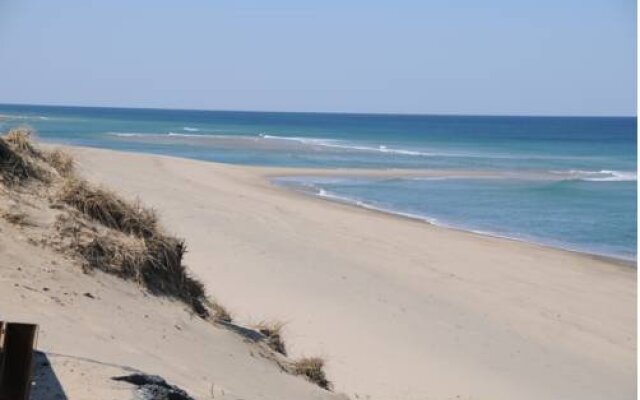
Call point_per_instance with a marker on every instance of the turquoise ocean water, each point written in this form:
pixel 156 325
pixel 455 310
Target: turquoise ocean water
pixel 564 181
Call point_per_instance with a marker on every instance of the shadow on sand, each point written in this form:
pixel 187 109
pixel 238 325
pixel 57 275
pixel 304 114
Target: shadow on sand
pixel 46 385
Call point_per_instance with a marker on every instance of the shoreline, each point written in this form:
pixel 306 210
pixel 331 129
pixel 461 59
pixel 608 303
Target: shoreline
pixel 479 316
pixel 272 173
pixel 628 262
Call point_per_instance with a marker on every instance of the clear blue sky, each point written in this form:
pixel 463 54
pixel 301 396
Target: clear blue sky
pixel 568 57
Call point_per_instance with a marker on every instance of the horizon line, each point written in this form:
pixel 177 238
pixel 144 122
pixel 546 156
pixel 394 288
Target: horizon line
pixel 452 114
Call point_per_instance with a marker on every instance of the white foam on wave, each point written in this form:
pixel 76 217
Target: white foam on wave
pixel 187 134
pixel 334 143
pixel 304 140
pixel 604 175
pixel 17 116
pixel 436 178
pixel 126 134
pixel 140 134
pixel 323 193
pixel 340 144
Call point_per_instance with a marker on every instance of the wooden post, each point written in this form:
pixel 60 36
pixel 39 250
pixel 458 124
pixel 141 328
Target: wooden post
pixel 1 350
pixel 16 366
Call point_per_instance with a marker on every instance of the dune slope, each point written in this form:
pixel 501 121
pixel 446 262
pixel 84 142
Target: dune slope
pixel 95 326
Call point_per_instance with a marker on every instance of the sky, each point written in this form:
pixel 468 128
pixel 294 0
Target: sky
pixel 498 57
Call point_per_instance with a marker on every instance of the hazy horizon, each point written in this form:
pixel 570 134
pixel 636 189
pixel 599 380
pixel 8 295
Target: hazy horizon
pixel 534 58
pixel 452 114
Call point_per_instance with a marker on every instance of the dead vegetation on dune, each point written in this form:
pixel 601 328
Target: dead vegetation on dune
pixel 20 140
pixel 313 369
pixel 132 246
pixel 106 231
pixel 272 331
pixel 117 236
pixel 14 169
pixel 21 160
pixel 109 209
pixel 61 161
pixel 220 313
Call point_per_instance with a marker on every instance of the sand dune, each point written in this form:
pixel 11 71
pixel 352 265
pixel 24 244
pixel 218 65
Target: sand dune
pixel 95 326
pixel 400 309
pixel 118 330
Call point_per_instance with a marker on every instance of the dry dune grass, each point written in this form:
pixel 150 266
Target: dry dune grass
pixel 14 168
pixel 272 331
pixel 117 254
pixel 312 368
pixel 20 140
pixel 128 243
pixel 220 313
pixel 20 160
pixel 133 246
pixel 154 263
pixel 107 208
pixel 61 161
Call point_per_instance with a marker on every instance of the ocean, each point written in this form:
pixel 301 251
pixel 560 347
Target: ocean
pixel 567 182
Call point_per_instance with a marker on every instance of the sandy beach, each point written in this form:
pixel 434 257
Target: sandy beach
pixel 399 309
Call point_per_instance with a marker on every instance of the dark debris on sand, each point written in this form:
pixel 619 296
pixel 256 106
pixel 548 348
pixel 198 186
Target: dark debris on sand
pixel 153 387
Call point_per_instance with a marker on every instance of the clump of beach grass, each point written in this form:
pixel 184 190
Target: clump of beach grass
pixel 154 262
pixel 61 161
pixel 21 160
pixel 20 140
pixel 121 255
pixel 107 208
pixel 272 331
pixel 13 167
pixel 220 313
pixel 133 246
pixel 165 274
pixel 313 369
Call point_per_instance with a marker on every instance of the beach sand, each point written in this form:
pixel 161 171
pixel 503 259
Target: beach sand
pixel 400 309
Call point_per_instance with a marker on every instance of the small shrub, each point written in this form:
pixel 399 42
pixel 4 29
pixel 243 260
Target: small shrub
pixel 312 368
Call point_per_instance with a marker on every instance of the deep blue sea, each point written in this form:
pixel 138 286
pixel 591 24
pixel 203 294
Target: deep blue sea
pixel 568 182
